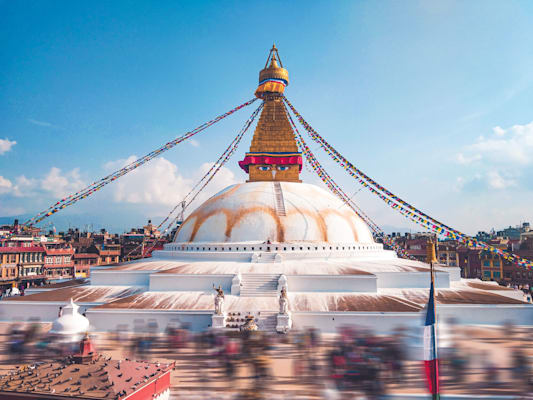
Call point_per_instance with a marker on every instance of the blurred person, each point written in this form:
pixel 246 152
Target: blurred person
pixel 519 367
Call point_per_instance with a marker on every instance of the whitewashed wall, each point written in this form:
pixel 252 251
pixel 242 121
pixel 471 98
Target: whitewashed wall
pixel 411 280
pixel 190 282
pixel 332 283
pixel 107 320
pixel 122 278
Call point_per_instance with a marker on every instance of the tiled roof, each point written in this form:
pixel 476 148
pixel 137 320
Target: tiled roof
pixel 85 255
pixel 21 249
pixel 81 294
pixel 102 378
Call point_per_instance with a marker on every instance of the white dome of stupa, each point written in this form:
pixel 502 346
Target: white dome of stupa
pixel 275 211
pixel 70 323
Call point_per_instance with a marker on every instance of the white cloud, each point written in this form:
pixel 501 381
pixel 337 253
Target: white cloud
pixel 467 159
pixel 506 146
pixel 496 181
pixel 61 185
pixel 161 183
pixel 6 145
pixel 41 123
pixel 194 143
pixel 498 161
pixel 5 185
pixel 157 182
pixel 498 131
pixel 24 187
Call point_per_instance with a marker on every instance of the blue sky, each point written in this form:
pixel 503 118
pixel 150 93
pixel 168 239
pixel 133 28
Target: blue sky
pixel 434 100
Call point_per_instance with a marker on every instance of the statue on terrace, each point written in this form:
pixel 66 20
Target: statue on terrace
pixel 283 302
pixel 219 300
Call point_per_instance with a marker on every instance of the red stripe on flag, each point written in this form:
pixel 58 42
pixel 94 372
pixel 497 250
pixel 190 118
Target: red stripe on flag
pixel 431 368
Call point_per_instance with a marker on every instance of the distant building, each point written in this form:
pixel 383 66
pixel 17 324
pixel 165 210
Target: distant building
pixel 59 261
pixel 447 253
pixel 21 261
pixel 83 263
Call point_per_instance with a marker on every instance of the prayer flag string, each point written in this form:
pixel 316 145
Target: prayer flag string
pixel 208 177
pixel 97 185
pixel 400 205
pixel 337 190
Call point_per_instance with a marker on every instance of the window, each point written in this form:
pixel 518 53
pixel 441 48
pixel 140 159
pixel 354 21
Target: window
pixel 496 274
pixel 58 260
pixel 496 263
pixel 486 263
pixel 486 274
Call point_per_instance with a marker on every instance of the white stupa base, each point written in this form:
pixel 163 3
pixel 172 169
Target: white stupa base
pixel 284 323
pixel 218 321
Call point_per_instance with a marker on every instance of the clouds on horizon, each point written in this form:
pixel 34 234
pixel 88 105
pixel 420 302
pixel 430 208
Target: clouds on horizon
pixel 160 182
pixel 156 187
pixel 500 161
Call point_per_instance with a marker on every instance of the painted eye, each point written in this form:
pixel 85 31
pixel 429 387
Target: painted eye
pixel 264 168
pixel 283 168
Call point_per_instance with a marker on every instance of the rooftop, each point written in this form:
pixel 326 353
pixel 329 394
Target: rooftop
pixel 80 294
pixel 102 378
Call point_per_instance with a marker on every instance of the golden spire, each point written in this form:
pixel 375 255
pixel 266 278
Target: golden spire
pixel 273 153
pixel 273 78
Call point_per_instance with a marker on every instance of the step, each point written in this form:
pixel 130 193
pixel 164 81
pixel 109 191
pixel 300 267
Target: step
pixel 259 294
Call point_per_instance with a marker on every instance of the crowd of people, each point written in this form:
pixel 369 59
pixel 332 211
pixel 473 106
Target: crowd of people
pixel 256 365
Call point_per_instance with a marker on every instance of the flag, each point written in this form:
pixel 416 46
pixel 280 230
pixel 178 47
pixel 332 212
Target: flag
pixel 431 362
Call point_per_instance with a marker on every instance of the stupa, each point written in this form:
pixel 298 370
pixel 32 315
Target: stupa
pixel 70 326
pixel 287 253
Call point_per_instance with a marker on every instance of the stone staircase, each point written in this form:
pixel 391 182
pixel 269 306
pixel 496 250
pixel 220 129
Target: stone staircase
pixel 268 321
pixel 278 197
pixel 259 285
pixel 264 257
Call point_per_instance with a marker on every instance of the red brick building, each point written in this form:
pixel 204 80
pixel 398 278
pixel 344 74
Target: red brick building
pixel 59 261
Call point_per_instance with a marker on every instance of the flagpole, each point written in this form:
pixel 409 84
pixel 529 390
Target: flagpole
pixel 435 396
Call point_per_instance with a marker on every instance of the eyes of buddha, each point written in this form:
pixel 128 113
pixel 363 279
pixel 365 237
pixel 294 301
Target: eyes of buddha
pixel 268 167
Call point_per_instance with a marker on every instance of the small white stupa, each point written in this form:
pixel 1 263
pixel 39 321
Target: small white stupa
pixel 71 325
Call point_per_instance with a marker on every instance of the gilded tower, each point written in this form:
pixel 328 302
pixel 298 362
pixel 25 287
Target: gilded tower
pixel 273 154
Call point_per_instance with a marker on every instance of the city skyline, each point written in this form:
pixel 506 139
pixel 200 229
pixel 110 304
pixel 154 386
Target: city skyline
pixel 441 121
